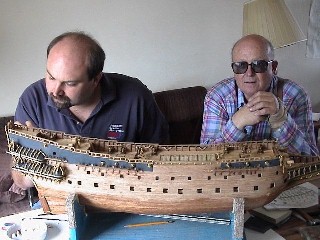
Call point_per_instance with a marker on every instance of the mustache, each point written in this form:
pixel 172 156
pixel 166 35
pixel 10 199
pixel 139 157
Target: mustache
pixel 64 98
pixel 61 102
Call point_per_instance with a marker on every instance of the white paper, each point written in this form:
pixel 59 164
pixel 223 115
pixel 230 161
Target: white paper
pixel 301 196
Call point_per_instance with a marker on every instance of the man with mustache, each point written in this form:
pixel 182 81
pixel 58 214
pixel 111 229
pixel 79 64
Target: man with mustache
pixel 77 97
pixel 256 104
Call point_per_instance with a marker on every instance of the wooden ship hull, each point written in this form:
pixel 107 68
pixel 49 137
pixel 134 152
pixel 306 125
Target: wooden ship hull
pixel 151 178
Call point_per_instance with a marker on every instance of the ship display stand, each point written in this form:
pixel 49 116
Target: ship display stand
pixel 102 225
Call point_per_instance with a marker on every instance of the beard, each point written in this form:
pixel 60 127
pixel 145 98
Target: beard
pixel 61 102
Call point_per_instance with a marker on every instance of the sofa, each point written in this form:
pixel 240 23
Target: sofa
pixel 183 109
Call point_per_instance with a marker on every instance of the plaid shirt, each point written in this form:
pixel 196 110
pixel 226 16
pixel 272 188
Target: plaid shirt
pixel 225 98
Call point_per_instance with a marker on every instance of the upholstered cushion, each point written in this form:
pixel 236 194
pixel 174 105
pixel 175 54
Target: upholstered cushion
pixel 183 109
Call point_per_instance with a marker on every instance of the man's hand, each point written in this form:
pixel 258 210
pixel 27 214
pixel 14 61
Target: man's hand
pixel 263 103
pixel 28 124
pixel 259 107
pixel 244 117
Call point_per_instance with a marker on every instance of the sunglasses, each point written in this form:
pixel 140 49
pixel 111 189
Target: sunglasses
pixel 258 66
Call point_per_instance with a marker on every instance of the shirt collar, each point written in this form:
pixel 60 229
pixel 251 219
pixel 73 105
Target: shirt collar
pixel 108 89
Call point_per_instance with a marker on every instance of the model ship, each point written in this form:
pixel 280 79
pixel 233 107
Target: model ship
pixel 151 178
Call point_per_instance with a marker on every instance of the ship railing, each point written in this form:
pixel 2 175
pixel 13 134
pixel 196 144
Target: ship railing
pixel 58 134
pixel 187 158
pixel 38 168
pixel 209 158
pixel 105 155
pixel 304 158
pixel 19 133
pixel 82 151
pixel 26 157
pixel 119 159
pixel 122 147
pixel 29 136
pixel 55 159
pixel 153 147
pixel 19 151
pixel 108 145
pixel 309 170
pixel 266 144
pixel 49 175
pixel 249 159
pixel 99 155
pixel 140 161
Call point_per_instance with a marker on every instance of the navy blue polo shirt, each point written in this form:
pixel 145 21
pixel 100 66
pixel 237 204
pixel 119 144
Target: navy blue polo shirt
pixel 127 112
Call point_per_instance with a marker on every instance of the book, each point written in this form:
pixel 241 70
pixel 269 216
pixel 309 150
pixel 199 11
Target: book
pixel 257 224
pixel 275 216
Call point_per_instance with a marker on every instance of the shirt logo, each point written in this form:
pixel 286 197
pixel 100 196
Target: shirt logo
pixel 115 131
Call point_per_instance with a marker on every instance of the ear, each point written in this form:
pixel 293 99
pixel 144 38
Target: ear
pixel 275 67
pixel 97 78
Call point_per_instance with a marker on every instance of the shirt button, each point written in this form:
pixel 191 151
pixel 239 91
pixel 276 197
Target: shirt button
pixel 78 123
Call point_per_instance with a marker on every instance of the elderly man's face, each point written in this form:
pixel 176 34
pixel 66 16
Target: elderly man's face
pixel 251 82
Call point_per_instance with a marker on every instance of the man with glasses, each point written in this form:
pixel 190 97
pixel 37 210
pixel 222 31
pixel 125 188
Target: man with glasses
pixel 256 104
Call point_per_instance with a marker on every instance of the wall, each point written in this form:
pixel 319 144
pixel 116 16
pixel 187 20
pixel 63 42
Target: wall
pixel 167 44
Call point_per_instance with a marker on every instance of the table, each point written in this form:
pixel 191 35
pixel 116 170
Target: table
pixel 58 226
pixel 114 228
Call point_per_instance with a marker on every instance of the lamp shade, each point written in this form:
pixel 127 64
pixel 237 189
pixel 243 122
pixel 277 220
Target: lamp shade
pixel 272 20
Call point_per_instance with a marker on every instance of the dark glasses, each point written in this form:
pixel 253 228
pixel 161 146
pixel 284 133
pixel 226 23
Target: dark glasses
pixel 258 66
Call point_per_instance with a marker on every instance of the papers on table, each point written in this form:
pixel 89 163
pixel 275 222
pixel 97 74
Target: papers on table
pixel 301 196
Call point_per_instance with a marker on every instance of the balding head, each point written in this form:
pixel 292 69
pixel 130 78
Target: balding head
pixel 255 41
pixel 81 46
